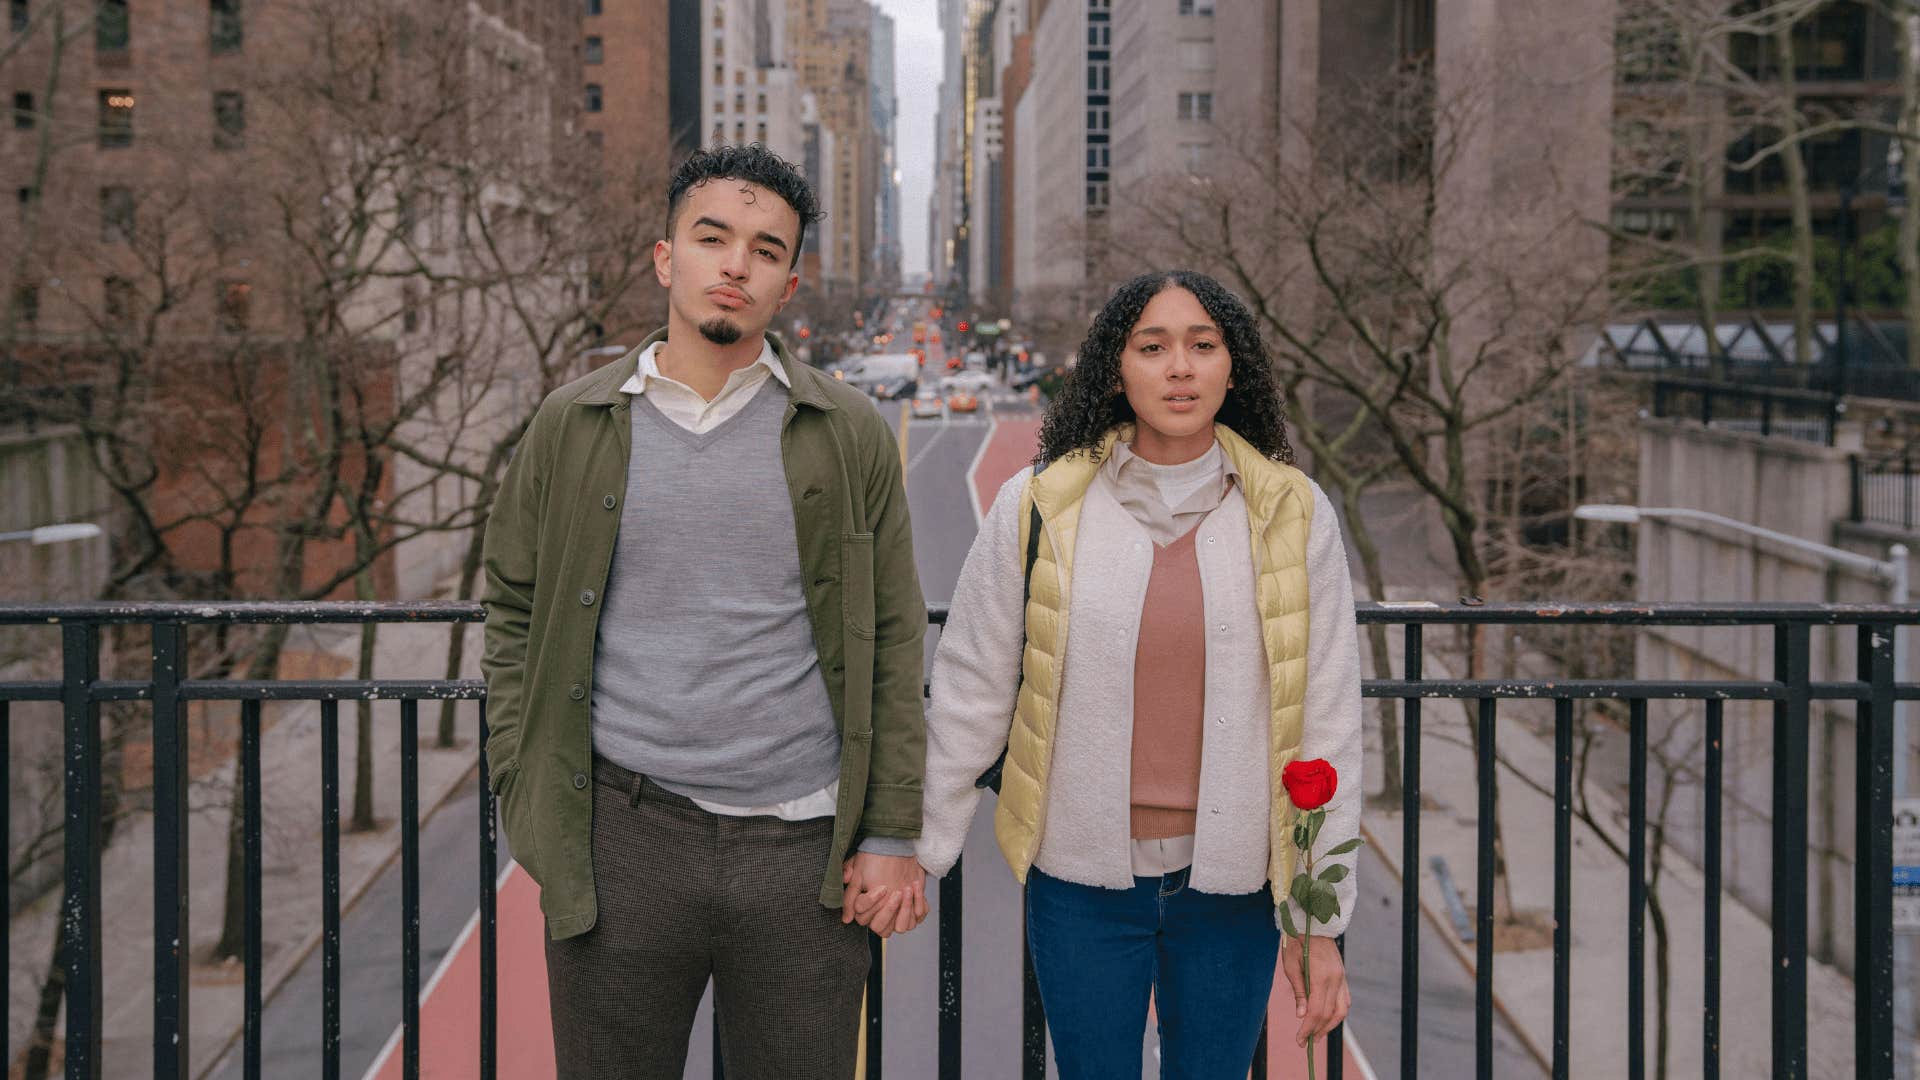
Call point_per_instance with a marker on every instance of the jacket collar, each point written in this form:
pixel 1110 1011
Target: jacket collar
pixel 804 386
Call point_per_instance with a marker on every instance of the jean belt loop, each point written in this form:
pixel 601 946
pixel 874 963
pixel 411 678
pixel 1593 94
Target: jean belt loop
pixel 639 782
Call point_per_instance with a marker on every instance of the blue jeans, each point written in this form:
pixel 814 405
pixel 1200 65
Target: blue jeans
pixel 1208 960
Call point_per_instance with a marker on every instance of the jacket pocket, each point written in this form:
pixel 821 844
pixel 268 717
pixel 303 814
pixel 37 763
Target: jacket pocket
pixel 516 818
pixel 856 582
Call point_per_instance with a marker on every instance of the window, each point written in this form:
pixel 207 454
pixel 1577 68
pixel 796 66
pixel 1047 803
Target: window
pixel 719 134
pixel 17 15
pixel 719 75
pixel 594 52
pixel 116 118
pixel 24 197
pixel 719 47
pixel 22 111
pixel 1196 157
pixel 229 120
pixel 760 133
pixel 719 17
pixel 236 306
pixel 739 133
pixel 740 102
pixel 1196 7
pixel 26 304
pixel 593 7
pixel 761 103
pixel 224 29
pixel 117 301
pixel 116 214
pixel 112 26
pixel 1196 106
pixel 740 77
pixel 593 97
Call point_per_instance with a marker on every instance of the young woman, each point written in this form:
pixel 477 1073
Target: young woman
pixel 1182 628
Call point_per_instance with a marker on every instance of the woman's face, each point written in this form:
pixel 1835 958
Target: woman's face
pixel 1175 372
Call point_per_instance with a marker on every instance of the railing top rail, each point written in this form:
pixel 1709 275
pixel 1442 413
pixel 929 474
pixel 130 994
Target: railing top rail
pixel 1504 613
pixel 242 611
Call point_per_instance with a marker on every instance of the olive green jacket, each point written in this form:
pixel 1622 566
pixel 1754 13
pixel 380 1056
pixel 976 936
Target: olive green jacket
pixel 549 541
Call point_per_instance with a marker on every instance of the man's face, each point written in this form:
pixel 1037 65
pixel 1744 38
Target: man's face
pixel 728 267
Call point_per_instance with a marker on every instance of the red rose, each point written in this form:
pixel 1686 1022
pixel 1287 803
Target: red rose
pixel 1310 783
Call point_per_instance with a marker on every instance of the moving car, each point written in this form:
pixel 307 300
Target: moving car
pixel 962 401
pixel 927 403
pixel 974 382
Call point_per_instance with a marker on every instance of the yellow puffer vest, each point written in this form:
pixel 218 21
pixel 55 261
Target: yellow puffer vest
pixel 1280 515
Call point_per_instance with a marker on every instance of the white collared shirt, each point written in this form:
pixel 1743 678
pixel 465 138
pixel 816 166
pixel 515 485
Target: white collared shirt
pixel 683 405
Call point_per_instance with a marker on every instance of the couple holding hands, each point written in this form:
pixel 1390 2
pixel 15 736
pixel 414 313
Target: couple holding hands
pixel 704 649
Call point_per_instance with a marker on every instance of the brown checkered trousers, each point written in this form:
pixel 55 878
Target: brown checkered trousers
pixel 684 896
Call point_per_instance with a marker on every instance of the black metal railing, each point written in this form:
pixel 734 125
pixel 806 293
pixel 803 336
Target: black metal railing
pixel 1881 490
pixel 1791 690
pixel 1794 414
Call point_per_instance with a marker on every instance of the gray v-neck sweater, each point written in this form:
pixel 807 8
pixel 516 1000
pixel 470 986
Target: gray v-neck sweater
pixel 705 676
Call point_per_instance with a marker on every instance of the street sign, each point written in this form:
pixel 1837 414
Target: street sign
pixel 1906 866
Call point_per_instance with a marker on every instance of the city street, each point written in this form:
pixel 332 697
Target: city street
pixel 953 467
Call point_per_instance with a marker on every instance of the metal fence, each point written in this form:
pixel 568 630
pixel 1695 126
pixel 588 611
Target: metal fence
pixel 1793 414
pixel 1881 490
pixel 1791 690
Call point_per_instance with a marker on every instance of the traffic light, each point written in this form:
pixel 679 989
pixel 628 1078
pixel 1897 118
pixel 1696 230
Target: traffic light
pixel 964 325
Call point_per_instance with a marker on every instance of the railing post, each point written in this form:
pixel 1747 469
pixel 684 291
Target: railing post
pixel 1766 413
pixel 952 889
pixel 171 873
pixel 1033 1012
pixel 1410 861
pixel 1873 873
pixel 80 907
pixel 1792 666
pixel 489 914
pixel 1856 489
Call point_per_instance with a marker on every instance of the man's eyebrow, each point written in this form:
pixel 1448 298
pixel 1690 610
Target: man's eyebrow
pixel 769 238
pixel 712 224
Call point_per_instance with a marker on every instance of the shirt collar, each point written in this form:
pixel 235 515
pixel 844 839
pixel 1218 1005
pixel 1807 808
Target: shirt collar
pixel 1123 455
pixel 648 368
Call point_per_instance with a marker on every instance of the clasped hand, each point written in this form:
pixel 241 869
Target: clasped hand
pixel 885 893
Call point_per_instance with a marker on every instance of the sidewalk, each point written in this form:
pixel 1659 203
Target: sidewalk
pixel 290 792
pixel 1523 980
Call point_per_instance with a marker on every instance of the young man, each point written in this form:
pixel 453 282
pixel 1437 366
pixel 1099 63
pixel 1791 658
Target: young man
pixel 703 661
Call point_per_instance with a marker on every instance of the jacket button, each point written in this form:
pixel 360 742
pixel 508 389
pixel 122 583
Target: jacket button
pixel 579 691
pixel 586 597
pixel 579 781
pixel 608 502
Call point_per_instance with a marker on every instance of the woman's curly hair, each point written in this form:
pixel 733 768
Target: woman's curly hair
pixel 1090 403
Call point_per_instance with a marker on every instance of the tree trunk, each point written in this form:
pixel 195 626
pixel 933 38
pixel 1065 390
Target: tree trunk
pixel 1392 787
pixel 266 660
pixel 457 632
pixel 46 1013
pixel 1799 195
pixel 1662 985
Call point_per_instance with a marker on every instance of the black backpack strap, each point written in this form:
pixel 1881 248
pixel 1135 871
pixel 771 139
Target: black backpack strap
pixel 991 778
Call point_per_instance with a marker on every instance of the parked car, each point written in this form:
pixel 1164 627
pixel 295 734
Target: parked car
pixel 973 382
pixel 928 403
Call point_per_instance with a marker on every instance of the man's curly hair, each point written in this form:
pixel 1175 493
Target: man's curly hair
pixel 1090 402
pixel 754 164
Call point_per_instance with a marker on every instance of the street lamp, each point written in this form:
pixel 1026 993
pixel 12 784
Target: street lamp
pixel 54 534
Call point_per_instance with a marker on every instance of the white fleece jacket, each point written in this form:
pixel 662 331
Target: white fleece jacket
pixel 976 674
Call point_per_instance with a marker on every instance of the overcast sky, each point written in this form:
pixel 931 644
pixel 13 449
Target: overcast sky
pixel 917 62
